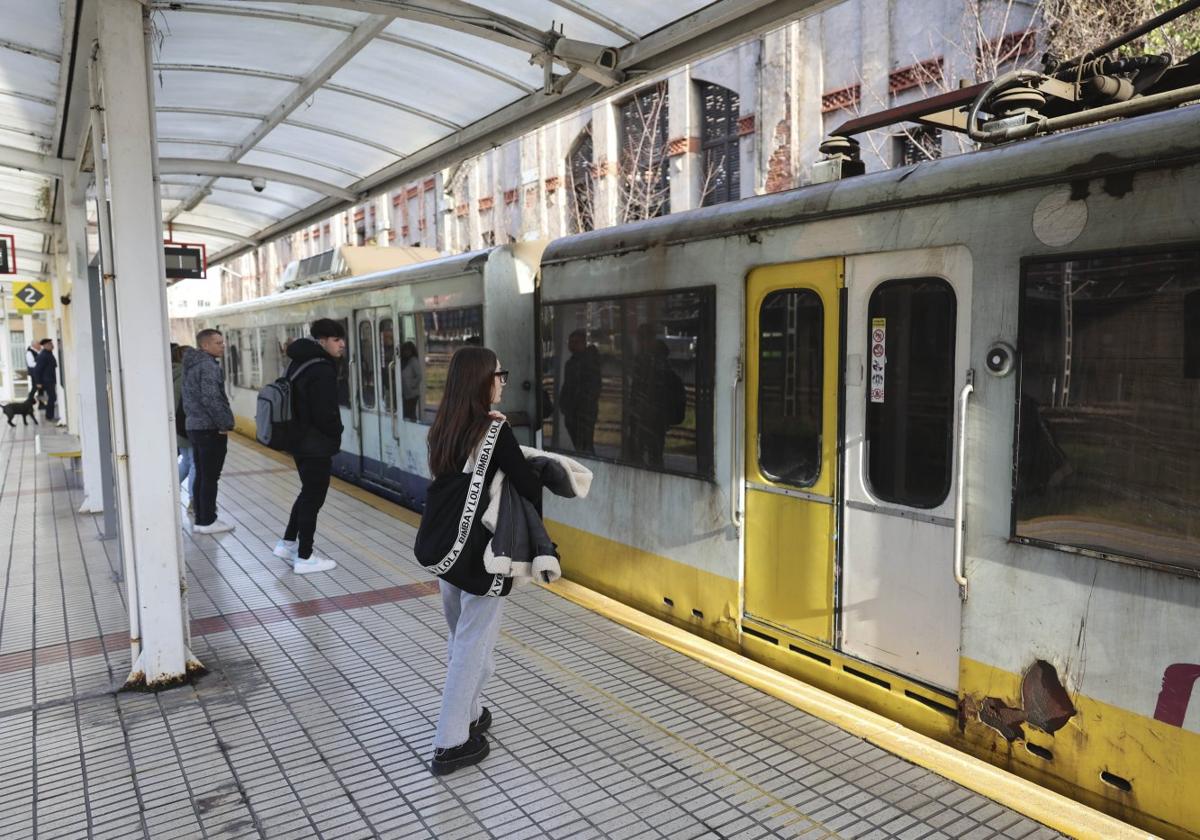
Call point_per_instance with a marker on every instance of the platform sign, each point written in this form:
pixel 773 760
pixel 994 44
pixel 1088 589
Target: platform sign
pixel 31 295
pixel 8 253
pixel 184 261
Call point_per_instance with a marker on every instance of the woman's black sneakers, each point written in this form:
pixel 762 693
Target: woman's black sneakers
pixel 450 759
pixel 481 723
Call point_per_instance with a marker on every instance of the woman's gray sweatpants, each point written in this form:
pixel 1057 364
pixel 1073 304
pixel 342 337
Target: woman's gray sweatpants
pixel 474 622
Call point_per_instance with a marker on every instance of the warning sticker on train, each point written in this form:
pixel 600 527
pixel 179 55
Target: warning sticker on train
pixel 878 357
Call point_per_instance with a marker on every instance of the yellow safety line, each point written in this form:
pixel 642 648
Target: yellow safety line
pixel 1025 797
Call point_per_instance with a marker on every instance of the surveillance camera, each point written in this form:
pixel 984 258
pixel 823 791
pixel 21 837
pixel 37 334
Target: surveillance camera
pixel 259 184
pixel 595 61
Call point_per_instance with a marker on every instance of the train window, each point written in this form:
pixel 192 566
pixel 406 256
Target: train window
pixel 1108 444
pixel 445 330
pixel 233 358
pixel 790 374
pixel 387 355
pixel 366 365
pixel 411 373
pixel 343 369
pixel 631 380
pixel 250 366
pixel 910 401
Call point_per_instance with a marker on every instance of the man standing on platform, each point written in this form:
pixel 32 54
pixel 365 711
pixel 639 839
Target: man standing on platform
pixel 45 376
pixel 318 437
pixel 209 419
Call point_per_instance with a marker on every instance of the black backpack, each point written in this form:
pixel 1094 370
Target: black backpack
pixel 451 537
pixel 274 422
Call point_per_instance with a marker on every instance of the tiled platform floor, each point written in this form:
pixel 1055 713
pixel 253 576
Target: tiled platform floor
pixel 316 715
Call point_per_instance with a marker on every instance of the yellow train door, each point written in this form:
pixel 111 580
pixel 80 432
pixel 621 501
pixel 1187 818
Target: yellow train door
pixel 792 350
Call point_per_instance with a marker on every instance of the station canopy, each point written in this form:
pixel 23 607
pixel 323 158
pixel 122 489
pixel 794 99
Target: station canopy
pixel 328 101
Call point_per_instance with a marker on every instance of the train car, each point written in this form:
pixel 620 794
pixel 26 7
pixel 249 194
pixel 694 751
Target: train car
pixel 928 438
pixel 402 326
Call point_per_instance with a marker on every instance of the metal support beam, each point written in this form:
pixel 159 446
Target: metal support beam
pixel 150 492
pixel 6 365
pixel 336 60
pixel 214 232
pixel 229 169
pixel 30 162
pixel 451 14
pixel 91 400
pixel 31 225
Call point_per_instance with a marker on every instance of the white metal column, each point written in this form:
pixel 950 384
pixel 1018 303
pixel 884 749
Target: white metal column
pixel 83 347
pixel 6 365
pixel 151 492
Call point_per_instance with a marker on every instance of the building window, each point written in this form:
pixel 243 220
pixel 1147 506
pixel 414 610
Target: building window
pixel 917 145
pixel 910 401
pixel 791 369
pixel 443 332
pixel 582 187
pixel 630 379
pixel 1108 445
pixel 644 177
pixel 722 173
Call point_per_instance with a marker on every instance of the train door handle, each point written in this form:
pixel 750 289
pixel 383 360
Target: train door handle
pixel 960 574
pixel 736 514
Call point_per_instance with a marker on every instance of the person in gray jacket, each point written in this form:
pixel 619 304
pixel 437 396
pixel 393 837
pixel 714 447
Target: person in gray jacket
pixel 209 419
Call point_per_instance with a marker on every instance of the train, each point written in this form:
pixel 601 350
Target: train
pixel 927 438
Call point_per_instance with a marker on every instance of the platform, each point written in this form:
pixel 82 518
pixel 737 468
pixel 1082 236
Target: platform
pixel 316 716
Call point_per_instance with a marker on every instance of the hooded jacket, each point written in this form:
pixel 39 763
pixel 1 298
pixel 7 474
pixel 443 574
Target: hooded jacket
pixel 315 400
pixel 204 400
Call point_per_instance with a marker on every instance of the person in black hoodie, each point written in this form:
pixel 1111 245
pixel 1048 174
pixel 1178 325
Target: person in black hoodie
pixel 315 412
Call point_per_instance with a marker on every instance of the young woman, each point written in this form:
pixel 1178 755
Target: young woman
pixel 474 383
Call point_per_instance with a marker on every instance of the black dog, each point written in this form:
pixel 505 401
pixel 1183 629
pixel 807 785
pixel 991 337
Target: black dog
pixel 25 409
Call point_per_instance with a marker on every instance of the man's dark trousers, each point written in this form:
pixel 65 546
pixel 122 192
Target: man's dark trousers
pixel 208 448
pixel 314 484
pixel 51 393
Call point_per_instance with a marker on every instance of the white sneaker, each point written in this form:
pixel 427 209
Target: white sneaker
pixel 219 526
pixel 286 550
pixel 312 565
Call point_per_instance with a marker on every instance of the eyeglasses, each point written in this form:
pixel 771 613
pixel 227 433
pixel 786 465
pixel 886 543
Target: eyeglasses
pixel 503 374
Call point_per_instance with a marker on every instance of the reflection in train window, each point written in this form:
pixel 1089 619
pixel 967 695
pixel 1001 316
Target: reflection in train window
pixel 445 331
pixel 409 363
pixel 910 393
pixel 366 365
pixel 631 379
pixel 1108 440
pixel 246 363
pixel 232 358
pixel 387 354
pixel 790 371
pixel 343 368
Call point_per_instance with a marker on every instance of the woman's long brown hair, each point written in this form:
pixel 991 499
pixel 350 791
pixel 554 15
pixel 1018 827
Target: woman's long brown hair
pixel 463 416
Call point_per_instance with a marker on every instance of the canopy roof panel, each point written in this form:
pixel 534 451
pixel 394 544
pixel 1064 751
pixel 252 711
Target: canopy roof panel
pixel 340 99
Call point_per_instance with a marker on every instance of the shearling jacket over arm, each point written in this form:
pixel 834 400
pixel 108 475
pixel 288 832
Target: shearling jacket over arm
pixel 520 545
